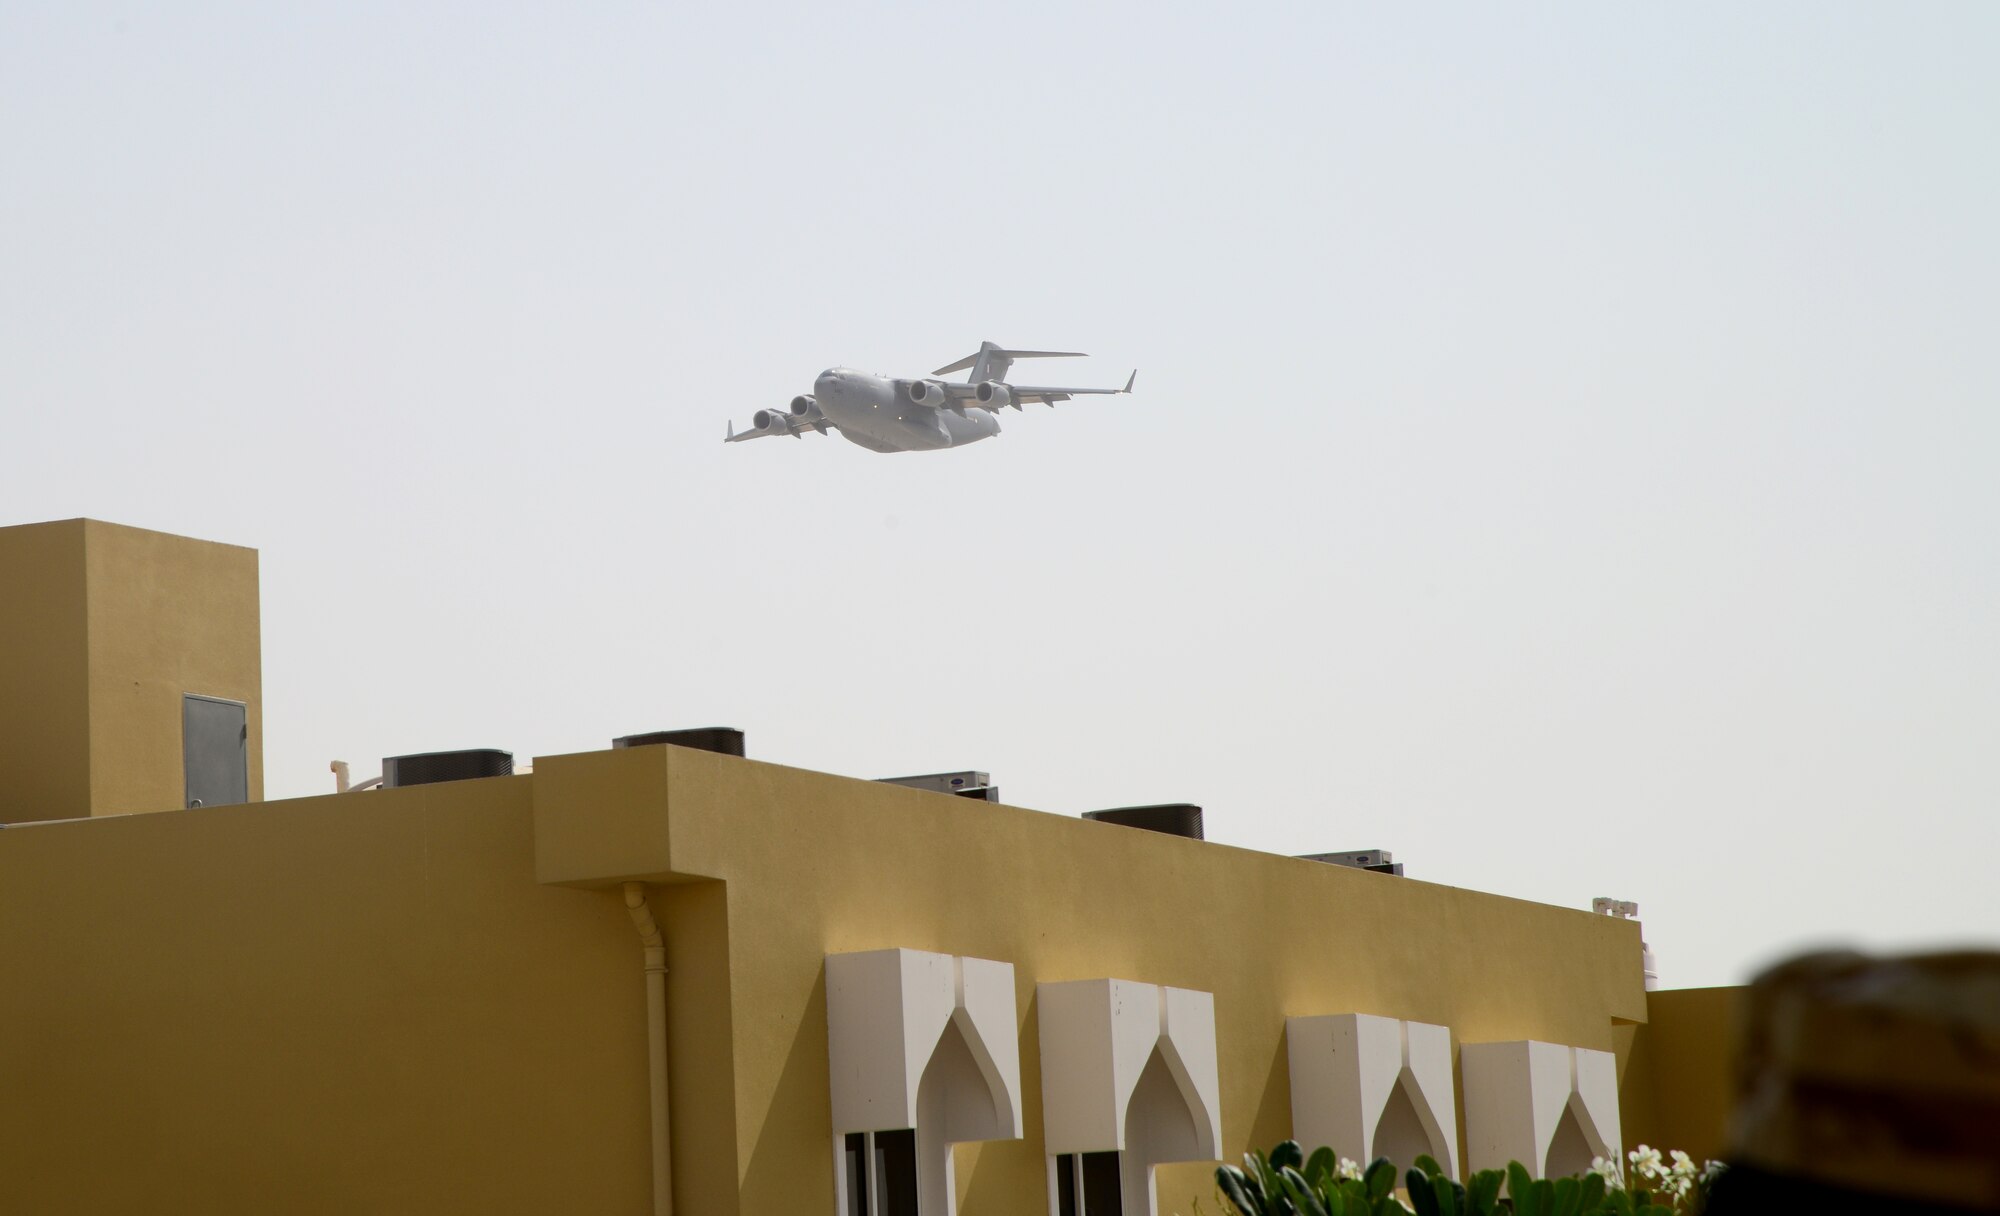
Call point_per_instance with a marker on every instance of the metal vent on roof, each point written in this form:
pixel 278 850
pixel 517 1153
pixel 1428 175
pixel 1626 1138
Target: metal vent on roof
pixel 1377 860
pixel 965 784
pixel 1172 818
pixel 724 740
pixel 429 768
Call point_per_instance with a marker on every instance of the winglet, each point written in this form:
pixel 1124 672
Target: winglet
pixel 1129 379
pixel 729 431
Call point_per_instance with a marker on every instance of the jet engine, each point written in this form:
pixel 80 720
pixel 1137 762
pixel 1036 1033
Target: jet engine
pixel 806 412
pixel 992 394
pixel 927 392
pixel 768 420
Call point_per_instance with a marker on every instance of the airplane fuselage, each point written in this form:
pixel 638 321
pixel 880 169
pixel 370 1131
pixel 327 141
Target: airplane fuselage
pixel 919 414
pixel 870 411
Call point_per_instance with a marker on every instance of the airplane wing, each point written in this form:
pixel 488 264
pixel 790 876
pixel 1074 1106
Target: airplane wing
pixel 768 423
pixel 1019 394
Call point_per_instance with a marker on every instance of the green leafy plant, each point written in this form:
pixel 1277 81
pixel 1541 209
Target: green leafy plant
pixel 1432 1193
pixel 1556 1196
pixel 1289 1183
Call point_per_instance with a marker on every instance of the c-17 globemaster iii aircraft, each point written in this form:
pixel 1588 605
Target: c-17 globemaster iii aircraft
pixel 884 414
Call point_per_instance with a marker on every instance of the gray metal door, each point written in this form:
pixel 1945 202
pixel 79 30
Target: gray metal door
pixel 215 750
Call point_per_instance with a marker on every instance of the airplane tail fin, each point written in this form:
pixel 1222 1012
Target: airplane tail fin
pixel 992 361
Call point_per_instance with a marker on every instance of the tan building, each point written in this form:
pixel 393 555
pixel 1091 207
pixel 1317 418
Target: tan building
pixel 447 997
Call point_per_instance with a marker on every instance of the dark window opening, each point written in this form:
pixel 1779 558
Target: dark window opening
pixel 856 1199
pixel 1087 1184
pixel 896 1173
pixel 882 1164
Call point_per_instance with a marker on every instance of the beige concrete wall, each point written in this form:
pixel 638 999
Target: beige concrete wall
pixel 1679 1086
pixel 168 616
pixel 815 865
pixel 339 1005
pixel 369 1003
pixel 430 1000
pixel 44 674
pixel 102 629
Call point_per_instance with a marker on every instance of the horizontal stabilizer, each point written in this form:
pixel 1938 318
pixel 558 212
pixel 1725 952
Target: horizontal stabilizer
pixel 990 361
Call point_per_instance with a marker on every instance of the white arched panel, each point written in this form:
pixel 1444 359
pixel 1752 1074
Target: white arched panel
pixel 1129 1068
pixel 1358 1079
pixel 922 1041
pixel 1519 1095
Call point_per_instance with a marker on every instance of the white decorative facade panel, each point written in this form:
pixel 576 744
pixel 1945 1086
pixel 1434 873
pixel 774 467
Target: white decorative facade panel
pixel 1371 1087
pixel 1550 1107
pixel 917 1042
pixel 1128 1068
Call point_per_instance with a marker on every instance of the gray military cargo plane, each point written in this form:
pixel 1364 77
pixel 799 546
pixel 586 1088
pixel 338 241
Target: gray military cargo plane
pixel 889 415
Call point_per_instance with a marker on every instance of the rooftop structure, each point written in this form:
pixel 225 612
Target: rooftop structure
pixel 662 977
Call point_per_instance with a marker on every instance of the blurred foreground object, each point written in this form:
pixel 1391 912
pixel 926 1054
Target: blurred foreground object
pixel 1876 1079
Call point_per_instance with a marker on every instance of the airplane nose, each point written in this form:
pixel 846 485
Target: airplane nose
pixel 827 380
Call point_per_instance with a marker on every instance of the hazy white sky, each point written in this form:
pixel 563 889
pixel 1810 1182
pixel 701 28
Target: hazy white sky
pixel 1564 453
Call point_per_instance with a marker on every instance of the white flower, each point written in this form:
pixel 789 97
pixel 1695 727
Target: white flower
pixel 1684 1166
pixel 1646 1162
pixel 1607 1169
pixel 1710 1171
pixel 1349 1169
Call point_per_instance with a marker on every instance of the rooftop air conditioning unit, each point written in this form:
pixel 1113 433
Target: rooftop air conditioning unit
pixel 429 768
pixel 968 784
pixel 1377 860
pixel 723 740
pixel 1172 818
